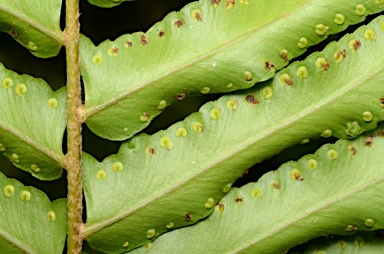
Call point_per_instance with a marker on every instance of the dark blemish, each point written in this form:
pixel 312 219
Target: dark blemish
pixel 151 150
pixel 146 114
pixel 115 50
pixel 220 206
pixel 215 2
pixel 382 101
pixel 326 66
pixel 269 65
pixel 353 150
pixel 196 14
pixel 356 45
pixel 248 76
pixel 368 141
pixel 343 53
pixel 198 127
pixel 299 178
pixel 283 56
pixel 13 33
pixel 229 2
pixel 276 185
pixel 143 40
pixel 239 200
pixel 187 217
pixel 251 99
pixel 340 55
pixel 181 96
pixel 178 23
pixel 244 173
pixel 129 43
pixel 160 33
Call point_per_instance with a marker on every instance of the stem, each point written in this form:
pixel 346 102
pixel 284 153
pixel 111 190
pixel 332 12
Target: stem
pixel 74 107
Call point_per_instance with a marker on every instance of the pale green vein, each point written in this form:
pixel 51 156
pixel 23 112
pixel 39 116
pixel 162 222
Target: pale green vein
pixel 225 47
pixel 54 35
pixel 60 159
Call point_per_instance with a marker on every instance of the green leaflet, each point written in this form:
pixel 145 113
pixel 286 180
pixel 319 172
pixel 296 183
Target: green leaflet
pixel 296 203
pixel 359 243
pixel 32 124
pixel 35 24
pixel 195 51
pixel 29 222
pixel 174 177
pixel 107 3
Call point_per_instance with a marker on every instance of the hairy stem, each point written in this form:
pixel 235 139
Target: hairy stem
pixel 74 106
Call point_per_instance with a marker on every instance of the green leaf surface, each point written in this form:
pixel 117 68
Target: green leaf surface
pixel 107 3
pixel 29 222
pixel 176 175
pixel 35 24
pixel 344 192
pixel 197 50
pixel 359 243
pixel 32 124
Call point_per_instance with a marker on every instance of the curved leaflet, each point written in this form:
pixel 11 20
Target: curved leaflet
pixel 35 24
pixel 175 177
pixel 293 204
pixel 32 124
pixel 360 242
pixel 196 51
pixel 23 210
pixel 107 3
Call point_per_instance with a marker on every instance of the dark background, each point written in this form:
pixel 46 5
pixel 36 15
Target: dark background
pixel 101 24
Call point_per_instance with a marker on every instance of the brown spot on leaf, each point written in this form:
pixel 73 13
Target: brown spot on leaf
pixel 214 1
pixel 178 23
pixel 196 14
pixel 368 141
pixel 239 200
pixel 269 66
pixel 356 45
pixel 220 206
pixel 283 56
pixel 187 217
pixel 325 66
pixel 251 99
pixel 342 53
pixel 160 33
pixel 289 82
pixel 276 185
pixel 152 150
pixel 181 96
pixel 143 40
pixel 352 149
pixel 129 43
pixel 229 2
pixel 13 33
pixel 244 173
